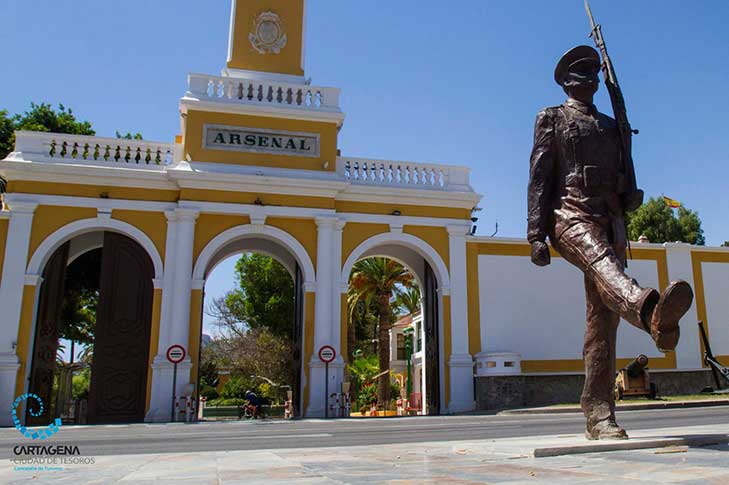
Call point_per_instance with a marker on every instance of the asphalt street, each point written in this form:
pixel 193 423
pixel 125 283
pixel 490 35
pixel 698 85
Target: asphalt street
pixel 277 434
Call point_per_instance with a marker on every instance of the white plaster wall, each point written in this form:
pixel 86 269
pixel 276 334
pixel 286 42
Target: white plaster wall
pixel 540 312
pixel 716 293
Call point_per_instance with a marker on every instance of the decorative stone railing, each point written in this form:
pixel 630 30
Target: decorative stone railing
pixel 404 174
pixel 58 147
pixel 262 92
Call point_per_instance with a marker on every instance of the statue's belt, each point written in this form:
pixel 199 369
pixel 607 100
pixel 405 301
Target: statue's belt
pixel 594 177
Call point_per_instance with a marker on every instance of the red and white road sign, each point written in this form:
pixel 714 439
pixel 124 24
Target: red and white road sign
pixel 176 354
pixel 327 354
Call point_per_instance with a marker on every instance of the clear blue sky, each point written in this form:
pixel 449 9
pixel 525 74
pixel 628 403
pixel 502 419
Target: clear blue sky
pixel 453 82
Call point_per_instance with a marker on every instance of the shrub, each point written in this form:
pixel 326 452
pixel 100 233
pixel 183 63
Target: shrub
pixel 226 402
pixel 208 392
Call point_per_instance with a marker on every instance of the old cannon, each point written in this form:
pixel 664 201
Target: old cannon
pixel 634 380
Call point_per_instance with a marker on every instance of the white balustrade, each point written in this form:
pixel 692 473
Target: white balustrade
pixel 270 93
pixel 404 174
pixel 59 147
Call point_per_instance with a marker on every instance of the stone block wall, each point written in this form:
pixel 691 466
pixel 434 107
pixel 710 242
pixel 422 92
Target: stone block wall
pixel 509 392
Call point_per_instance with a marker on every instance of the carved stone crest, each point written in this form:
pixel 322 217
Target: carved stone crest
pixel 268 36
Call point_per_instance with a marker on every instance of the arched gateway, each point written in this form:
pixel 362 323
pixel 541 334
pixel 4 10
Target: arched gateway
pixel 256 168
pixel 119 359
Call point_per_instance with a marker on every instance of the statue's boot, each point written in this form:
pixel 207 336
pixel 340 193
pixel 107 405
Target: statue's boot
pixel 607 429
pixel 673 304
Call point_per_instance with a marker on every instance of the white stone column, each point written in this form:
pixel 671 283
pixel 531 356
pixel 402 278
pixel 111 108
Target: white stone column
pixel 337 367
pixel 460 363
pixel 175 314
pixel 323 331
pixel 688 352
pixel 12 286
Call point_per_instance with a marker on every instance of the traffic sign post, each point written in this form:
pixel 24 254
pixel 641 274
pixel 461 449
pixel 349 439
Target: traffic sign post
pixel 175 354
pixel 327 354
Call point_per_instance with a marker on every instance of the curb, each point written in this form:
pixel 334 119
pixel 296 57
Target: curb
pixel 638 444
pixel 623 407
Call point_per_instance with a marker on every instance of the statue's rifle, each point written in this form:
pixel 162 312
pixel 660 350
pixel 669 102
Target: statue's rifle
pixel 633 197
pixel 716 368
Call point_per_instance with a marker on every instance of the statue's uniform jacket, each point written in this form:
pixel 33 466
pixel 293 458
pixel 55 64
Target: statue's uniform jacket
pixel 575 187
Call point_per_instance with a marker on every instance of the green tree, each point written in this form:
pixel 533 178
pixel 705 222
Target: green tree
pixel 408 301
pixel 7 127
pixel 659 224
pixel 129 136
pixel 380 280
pixel 726 244
pixel 263 298
pixel 40 117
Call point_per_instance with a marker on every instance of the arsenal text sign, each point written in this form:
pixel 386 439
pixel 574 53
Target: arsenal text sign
pixel 217 137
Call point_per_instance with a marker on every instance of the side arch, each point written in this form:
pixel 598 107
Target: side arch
pixel 400 239
pixel 259 231
pixel 49 245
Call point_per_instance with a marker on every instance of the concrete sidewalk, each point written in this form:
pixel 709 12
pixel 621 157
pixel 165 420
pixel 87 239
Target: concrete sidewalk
pixel 622 406
pixel 509 460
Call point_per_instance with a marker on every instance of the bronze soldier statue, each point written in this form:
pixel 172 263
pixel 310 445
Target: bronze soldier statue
pixel 579 188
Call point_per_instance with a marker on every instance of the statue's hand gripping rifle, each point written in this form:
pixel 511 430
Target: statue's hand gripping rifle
pixel 633 197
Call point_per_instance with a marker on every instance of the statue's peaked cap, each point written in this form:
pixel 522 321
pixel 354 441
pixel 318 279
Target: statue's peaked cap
pixel 576 54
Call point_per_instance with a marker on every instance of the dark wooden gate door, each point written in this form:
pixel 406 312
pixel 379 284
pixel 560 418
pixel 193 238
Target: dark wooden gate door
pixel 121 343
pixel 432 360
pixel 46 337
pixel 297 339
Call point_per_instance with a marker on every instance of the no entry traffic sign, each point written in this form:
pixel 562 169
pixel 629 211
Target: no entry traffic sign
pixel 176 354
pixel 327 354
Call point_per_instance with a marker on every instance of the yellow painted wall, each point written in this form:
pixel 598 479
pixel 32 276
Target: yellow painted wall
pixel 210 225
pixel 153 340
pixel 697 258
pixel 405 210
pixel 437 237
pixel 193 343
pixel 304 230
pixel 194 141
pixel 153 224
pixel 309 302
pixel 251 197
pixel 474 302
pixel 92 191
pixel 355 233
pixel 289 59
pixel 24 336
pixel 48 219
pixel 3 237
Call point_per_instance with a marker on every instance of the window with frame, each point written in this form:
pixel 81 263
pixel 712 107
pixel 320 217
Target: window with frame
pixel 400 346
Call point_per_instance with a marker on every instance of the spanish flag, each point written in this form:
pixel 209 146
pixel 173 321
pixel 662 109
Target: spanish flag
pixel 672 203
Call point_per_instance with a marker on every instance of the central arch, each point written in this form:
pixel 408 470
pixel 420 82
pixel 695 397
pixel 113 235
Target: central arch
pixel 287 250
pixel 211 253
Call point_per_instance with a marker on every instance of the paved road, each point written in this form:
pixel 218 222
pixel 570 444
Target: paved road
pixel 261 435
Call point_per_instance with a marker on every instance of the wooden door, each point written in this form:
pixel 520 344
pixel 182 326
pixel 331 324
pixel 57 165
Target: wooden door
pixel 47 331
pixel 432 354
pixel 121 344
pixel 297 339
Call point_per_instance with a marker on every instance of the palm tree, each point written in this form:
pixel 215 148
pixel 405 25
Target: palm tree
pixel 408 301
pixel 379 280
